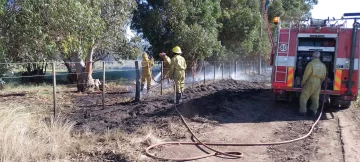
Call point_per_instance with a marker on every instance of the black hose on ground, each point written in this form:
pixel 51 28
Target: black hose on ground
pixel 218 152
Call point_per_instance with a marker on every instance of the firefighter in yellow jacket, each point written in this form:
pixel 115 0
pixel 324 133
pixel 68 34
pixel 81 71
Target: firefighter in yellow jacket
pixel 166 67
pixel 146 65
pixel 177 72
pixel 314 75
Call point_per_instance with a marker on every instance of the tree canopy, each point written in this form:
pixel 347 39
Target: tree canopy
pixel 90 30
pixel 212 29
pixel 34 30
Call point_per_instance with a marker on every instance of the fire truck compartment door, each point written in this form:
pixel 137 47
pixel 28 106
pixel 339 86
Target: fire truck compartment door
pixel 311 48
pixel 285 61
pixel 319 35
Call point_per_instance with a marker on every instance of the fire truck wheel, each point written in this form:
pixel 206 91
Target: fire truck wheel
pixel 277 99
pixel 345 104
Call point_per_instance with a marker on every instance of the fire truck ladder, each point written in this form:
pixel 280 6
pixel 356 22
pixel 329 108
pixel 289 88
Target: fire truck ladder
pixel 284 55
pixel 268 27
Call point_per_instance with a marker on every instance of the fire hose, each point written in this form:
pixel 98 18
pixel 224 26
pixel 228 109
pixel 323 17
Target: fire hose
pixel 218 152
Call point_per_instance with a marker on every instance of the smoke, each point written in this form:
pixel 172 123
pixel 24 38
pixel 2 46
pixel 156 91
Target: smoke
pixel 249 74
pixel 217 75
pixel 156 78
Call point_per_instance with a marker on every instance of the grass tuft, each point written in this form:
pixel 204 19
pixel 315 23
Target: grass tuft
pixel 24 136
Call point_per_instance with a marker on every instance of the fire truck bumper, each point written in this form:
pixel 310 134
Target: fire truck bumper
pixel 285 90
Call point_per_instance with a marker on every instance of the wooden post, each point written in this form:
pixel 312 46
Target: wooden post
pixel 229 70
pixel 222 70
pixel 204 72
pixel 162 77
pixel 214 72
pixel 103 86
pixel 193 76
pixel 235 69
pixel 54 88
pixel 137 93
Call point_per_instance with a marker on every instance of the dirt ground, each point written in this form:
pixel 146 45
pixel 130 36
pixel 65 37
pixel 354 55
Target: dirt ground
pixel 227 111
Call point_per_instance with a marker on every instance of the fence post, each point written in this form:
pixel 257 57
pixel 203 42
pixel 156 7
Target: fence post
pixel 162 77
pixel 54 88
pixel 229 70
pixel 222 70
pixel 235 69
pixel 244 68
pixel 214 72
pixel 193 76
pixel 204 72
pixel 103 86
pixel 137 93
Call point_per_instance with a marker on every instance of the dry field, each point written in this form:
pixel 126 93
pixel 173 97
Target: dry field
pixel 225 111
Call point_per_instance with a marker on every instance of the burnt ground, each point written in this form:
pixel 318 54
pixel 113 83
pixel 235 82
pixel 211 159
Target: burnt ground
pixel 225 102
pixel 225 111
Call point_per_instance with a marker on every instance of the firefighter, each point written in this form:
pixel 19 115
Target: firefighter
pixel 146 65
pixel 177 72
pixel 166 67
pixel 314 75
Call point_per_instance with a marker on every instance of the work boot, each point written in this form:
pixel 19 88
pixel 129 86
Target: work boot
pixel 311 114
pixel 142 87
pixel 178 97
pixel 148 90
pixel 314 115
pixel 301 114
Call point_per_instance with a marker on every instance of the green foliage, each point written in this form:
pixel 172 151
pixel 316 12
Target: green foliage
pixel 191 24
pixel 42 29
pixel 241 24
pixel 211 29
pixel 291 9
pixel 36 30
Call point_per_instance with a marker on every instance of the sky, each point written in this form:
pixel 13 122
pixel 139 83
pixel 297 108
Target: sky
pixel 335 8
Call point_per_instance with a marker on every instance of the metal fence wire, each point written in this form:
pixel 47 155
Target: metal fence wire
pixel 120 77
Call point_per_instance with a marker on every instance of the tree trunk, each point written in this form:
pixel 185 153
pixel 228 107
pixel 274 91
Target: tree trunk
pixel 84 71
pixel 72 77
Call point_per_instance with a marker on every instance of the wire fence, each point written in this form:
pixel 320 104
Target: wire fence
pixel 120 79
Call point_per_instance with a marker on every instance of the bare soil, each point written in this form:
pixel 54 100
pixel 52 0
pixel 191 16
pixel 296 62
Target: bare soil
pixel 227 111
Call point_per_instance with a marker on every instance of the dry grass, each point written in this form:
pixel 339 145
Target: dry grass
pixel 25 136
pixel 125 146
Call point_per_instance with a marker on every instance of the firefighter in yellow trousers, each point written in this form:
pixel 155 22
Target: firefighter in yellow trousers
pixel 177 72
pixel 146 65
pixel 314 75
pixel 167 62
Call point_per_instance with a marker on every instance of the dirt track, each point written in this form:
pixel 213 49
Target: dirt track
pixel 230 111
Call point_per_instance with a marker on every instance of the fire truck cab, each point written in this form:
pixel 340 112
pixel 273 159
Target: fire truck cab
pixel 339 48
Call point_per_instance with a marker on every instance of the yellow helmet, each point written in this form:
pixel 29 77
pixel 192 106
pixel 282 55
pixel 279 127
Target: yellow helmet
pixel 144 55
pixel 177 49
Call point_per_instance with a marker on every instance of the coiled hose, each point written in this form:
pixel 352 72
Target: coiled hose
pixel 218 152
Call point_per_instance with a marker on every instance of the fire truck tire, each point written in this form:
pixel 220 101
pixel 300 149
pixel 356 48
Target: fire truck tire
pixel 335 101
pixel 277 99
pixel 345 104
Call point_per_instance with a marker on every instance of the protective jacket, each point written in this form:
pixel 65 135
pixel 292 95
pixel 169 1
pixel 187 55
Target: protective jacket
pixel 177 72
pixel 314 75
pixel 146 65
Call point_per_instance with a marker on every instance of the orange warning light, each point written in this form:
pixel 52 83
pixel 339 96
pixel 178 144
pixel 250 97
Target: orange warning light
pixel 276 20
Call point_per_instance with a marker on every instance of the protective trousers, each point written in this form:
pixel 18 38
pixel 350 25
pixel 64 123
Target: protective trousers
pixel 179 78
pixel 166 71
pixel 311 90
pixel 146 77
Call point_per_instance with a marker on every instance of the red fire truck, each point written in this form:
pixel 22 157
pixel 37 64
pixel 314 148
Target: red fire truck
pixel 339 50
